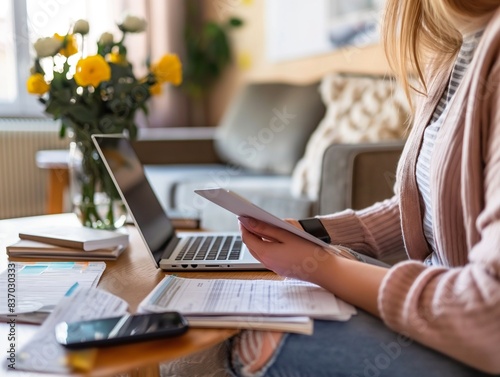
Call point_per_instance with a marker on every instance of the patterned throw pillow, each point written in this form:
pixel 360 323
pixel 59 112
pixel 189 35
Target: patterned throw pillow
pixel 360 109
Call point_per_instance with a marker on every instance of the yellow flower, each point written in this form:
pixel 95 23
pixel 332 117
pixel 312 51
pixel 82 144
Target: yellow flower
pixel 117 58
pixel 36 84
pixel 92 71
pixel 245 60
pixel 69 44
pixel 155 89
pixel 168 69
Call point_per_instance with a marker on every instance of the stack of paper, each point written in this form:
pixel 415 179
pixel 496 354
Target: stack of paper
pixel 74 243
pixel 36 288
pixel 286 305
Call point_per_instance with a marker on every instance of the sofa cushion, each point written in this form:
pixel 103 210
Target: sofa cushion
pixel 175 184
pixel 266 127
pixel 359 110
pixel 164 178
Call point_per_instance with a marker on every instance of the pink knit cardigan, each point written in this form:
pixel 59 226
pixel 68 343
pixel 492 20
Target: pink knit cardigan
pixel 453 308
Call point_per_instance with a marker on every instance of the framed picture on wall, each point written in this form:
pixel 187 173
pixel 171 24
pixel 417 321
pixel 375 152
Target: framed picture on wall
pixel 297 29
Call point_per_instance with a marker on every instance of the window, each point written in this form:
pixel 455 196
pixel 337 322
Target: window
pixel 7 55
pixel 22 22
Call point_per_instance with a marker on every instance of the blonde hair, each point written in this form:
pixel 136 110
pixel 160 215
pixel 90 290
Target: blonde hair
pixel 417 32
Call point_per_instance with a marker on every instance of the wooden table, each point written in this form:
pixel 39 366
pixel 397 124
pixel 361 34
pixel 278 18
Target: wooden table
pixel 131 277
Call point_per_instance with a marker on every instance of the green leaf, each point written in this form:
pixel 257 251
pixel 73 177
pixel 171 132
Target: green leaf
pixel 208 53
pixel 62 95
pixel 235 22
pixel 58 82
pixel 210 30
pixel 122 50
pixel 103 50
pixel 79 113
pixel 62 131
pixel 38 67
pixel 54 107
pixel 119 72
pixel 144 108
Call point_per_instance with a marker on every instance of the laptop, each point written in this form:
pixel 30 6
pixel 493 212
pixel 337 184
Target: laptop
pixel 171 251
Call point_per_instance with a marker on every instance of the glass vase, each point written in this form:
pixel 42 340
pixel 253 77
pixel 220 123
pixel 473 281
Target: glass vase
pixel 94 197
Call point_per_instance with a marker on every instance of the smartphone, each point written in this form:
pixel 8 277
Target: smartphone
pixel 120 330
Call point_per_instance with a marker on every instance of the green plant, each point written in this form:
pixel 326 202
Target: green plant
pixel 97 94
pixel 208 51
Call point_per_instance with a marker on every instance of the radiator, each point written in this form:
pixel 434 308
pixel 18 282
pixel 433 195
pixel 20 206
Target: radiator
pixel 23 186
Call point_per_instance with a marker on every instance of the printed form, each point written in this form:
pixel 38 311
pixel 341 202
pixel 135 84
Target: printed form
pixel 39 286
pixel 245 297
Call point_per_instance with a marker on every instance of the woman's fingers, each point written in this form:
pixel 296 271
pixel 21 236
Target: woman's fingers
pixel 295 223
pixel 264 231
pixel 292 256
pixel 252 242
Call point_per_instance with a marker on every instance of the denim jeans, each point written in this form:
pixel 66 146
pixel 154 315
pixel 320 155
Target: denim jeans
pixel 360 347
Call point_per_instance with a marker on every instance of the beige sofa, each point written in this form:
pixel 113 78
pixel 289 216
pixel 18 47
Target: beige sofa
pixel 260 168
pixel 252 152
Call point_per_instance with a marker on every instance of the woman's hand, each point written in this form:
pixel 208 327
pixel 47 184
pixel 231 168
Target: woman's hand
pixel 283 252
pixel 292 256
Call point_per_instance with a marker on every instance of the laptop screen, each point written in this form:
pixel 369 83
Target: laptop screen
pixel 143 205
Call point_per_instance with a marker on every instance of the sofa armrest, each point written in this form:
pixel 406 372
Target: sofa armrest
pixel 357 175
pixel 176 145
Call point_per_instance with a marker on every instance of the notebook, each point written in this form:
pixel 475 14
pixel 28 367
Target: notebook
pixel 170 251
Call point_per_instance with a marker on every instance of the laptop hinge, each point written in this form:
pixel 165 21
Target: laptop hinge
pixel 170 247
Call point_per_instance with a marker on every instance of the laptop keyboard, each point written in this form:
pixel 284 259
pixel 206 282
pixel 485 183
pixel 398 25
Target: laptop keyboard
pixel 211 248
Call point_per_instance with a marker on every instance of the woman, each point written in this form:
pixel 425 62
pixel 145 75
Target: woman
pixel 445 216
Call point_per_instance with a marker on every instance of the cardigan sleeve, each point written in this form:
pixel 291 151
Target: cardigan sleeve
pixel 457 310
pixel 374 231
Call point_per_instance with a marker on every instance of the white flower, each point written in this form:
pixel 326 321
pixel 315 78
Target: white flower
pixel 106 39
pixel 47 47
pixel 133 24
pixel 81 27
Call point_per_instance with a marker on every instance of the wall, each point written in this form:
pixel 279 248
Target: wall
pixel 251 64
pixel 23 186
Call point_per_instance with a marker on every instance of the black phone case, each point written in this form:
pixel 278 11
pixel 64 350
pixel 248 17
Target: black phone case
pixel 160 334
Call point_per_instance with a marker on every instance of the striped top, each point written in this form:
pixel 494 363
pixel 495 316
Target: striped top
pixel 424 160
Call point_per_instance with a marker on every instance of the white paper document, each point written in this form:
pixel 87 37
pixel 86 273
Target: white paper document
pixel 38 287
pixel 43 353
pixel 245 297
pixel 299 325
